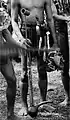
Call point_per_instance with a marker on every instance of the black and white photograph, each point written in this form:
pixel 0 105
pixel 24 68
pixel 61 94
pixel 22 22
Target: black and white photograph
pixel 34 59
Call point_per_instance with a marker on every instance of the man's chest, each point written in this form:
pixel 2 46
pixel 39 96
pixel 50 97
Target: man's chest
pixel 32 3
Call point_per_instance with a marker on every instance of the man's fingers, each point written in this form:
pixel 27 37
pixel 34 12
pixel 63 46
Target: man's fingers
pixel 26 44
pixel 28 41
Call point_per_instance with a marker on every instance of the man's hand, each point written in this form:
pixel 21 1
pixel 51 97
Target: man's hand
pixel 24 43
pixel 67 18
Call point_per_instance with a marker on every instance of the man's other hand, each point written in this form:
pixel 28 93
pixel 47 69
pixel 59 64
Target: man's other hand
pixel 26 43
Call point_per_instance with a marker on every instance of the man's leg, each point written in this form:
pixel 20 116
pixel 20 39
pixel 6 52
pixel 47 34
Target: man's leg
pixel 65 74
pixel 42 77
pixel 8 72
pixel 24 88
pixel 65 80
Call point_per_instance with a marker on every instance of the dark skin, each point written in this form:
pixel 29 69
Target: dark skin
pixel 6 68
pixel 36 8
pixel 65 51
pixel 31 18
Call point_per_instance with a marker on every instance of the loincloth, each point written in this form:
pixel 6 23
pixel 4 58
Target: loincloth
pixel 32 35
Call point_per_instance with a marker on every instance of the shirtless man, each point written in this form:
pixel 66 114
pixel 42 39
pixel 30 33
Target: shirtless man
pixel 61 27
pixel 36 8
pixel 6 67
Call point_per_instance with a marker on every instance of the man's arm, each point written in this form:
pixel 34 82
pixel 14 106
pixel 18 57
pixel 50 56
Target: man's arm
pixel 14 18
pixel 56 16
pixel 61 17
pixel 7 35
pixel 50 20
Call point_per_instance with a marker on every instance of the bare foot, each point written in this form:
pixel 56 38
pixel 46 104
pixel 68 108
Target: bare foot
pixel 10 113
pixel 14 117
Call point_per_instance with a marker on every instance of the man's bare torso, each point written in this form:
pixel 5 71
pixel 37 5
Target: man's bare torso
pixel 36 8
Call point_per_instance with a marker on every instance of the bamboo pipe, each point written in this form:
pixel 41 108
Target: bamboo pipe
pixel 8 50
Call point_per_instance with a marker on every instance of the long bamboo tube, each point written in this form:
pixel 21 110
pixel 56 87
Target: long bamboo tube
pixel 8 50
pixel 68 28
pixel 10 47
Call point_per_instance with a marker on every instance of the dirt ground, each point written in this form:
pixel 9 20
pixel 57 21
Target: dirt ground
pixel 52 111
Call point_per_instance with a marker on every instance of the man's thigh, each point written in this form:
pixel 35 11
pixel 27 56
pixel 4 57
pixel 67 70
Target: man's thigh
pixel 8 71
pixel 64 47
pixel 63 43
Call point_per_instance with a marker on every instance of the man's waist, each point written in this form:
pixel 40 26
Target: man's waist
pixel 42 26
pixel 31 25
